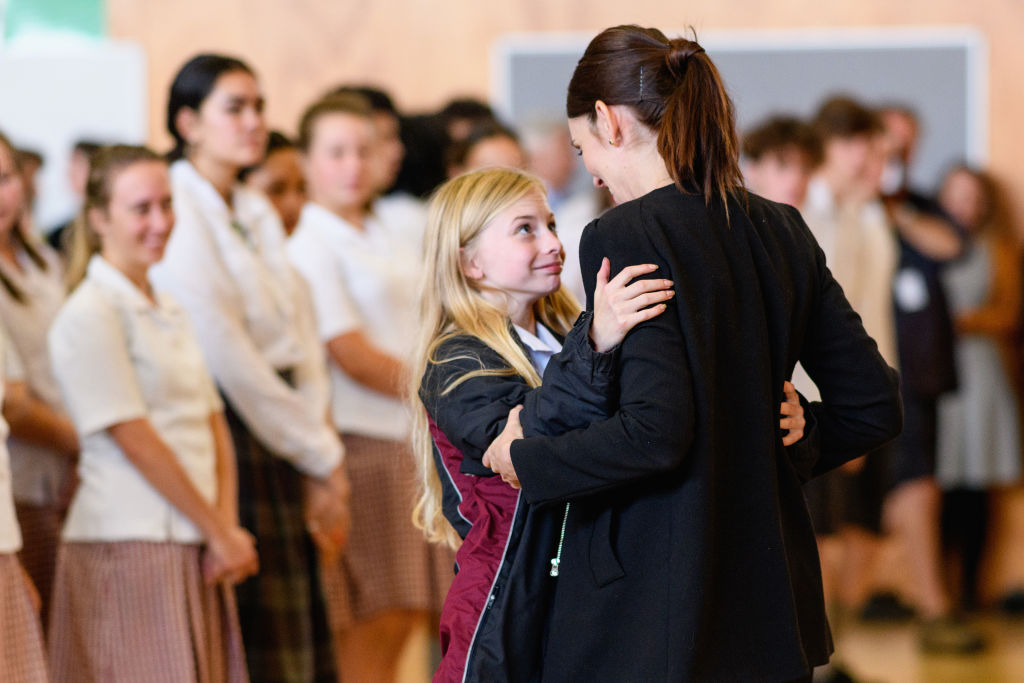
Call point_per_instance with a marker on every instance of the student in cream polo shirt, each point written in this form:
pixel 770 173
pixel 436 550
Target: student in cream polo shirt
pixel 151 542
pixel 22 659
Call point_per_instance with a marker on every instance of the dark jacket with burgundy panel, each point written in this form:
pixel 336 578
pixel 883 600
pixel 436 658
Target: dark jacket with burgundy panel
pixel 493 618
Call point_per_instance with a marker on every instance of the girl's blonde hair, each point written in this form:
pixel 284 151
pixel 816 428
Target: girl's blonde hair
pixel 451 306
pixel 104 168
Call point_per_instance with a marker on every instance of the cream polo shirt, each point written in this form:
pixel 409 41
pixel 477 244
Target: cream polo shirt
pixel 862 252
pixel 118 357
pixel 364 280
pixel 10 535
pixel 405 215
pixel 38 473
pixel 228 268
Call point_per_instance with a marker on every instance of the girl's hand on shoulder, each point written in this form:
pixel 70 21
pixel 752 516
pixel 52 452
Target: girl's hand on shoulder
pixel 621 304
pixel 792 415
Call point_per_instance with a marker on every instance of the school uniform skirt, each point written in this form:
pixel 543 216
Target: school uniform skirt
pixel 139 612
pixel 22 658
pixel 40 532
pixel 282 608
pixel 387 564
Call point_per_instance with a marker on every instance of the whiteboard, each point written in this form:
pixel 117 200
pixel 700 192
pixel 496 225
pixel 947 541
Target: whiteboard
pixel 940 72
pixel 54 94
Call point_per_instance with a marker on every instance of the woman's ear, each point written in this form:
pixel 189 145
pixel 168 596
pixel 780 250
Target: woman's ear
pixel 608 123
pixel 470 268
pixel 187 121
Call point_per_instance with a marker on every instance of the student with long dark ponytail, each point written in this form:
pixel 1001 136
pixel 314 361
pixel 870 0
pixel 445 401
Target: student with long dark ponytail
pixel 226 264
pixel 689 554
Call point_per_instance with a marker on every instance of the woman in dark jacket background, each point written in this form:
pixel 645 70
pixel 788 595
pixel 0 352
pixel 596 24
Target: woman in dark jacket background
pixel 689 554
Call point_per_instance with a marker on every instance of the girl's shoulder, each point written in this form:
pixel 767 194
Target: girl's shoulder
pixel 456 356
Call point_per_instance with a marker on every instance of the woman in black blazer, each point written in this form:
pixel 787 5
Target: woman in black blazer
pixel 689 554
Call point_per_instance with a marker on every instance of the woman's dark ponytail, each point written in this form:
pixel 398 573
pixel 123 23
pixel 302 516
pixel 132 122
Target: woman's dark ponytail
pixel 675 89
pixel 697 133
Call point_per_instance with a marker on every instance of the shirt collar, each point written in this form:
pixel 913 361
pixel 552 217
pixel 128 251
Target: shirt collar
pixel 111 279
pixel 542 342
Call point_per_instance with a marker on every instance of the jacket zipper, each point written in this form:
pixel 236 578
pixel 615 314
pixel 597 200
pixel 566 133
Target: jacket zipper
pixel 557 559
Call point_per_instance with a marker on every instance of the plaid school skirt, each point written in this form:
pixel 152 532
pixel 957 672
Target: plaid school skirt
pixel 139 612
pixel 388 564
pixel 22 658
pixel 282 611
pixel 40 534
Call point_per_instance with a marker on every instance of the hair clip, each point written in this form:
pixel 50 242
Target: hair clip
pixel 641 82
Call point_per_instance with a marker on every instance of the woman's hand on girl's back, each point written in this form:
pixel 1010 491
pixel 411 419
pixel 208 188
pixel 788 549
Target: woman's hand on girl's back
pixel 793 415
pixel 620 304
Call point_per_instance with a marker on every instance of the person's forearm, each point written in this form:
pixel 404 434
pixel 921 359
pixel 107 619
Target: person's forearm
pixel 367 364
pixel 932 236
pixel 33 421
pixel 158 464
pixel 227 471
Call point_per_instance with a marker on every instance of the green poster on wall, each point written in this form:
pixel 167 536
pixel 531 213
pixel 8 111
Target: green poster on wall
pixel 27 17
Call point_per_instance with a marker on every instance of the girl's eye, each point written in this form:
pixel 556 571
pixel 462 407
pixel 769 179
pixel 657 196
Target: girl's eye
pixel 524 228
pixel 552 227
pixel 579 152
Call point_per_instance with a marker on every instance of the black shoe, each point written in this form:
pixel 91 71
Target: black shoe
pixel 1012 604
pixel 886 607
pixel 951 636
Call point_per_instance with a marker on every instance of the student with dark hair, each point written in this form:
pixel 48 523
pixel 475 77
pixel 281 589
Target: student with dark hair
pixel 461 114
pixel 226 264
pixel 279 177
pixel 487 144
pixel 152 544
pixel 43 445
pixel 688 553
pixel 779 156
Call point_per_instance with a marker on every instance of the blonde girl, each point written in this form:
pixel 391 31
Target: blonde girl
pixel 495 319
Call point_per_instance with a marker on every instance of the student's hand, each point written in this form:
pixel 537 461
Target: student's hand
pixel 327 513
pixel 793 416
pixel 620 306
pixel 230 556
pixel 499 454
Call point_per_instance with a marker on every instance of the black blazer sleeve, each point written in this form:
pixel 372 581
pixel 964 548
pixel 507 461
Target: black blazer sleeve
pixel 577 389
pixel 860 407
pixel 652 428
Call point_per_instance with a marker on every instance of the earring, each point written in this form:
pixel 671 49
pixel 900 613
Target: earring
pixel 612 142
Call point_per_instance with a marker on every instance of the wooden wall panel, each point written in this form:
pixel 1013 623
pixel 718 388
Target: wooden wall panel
pixel 426 51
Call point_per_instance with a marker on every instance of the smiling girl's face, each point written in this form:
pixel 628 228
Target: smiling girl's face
pixel 517 254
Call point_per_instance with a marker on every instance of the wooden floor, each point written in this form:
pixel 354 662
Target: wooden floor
pixel 874 654
pixel 889 654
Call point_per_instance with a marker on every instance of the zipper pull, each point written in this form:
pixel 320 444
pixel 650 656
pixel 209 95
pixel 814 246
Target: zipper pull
pixel 557 559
